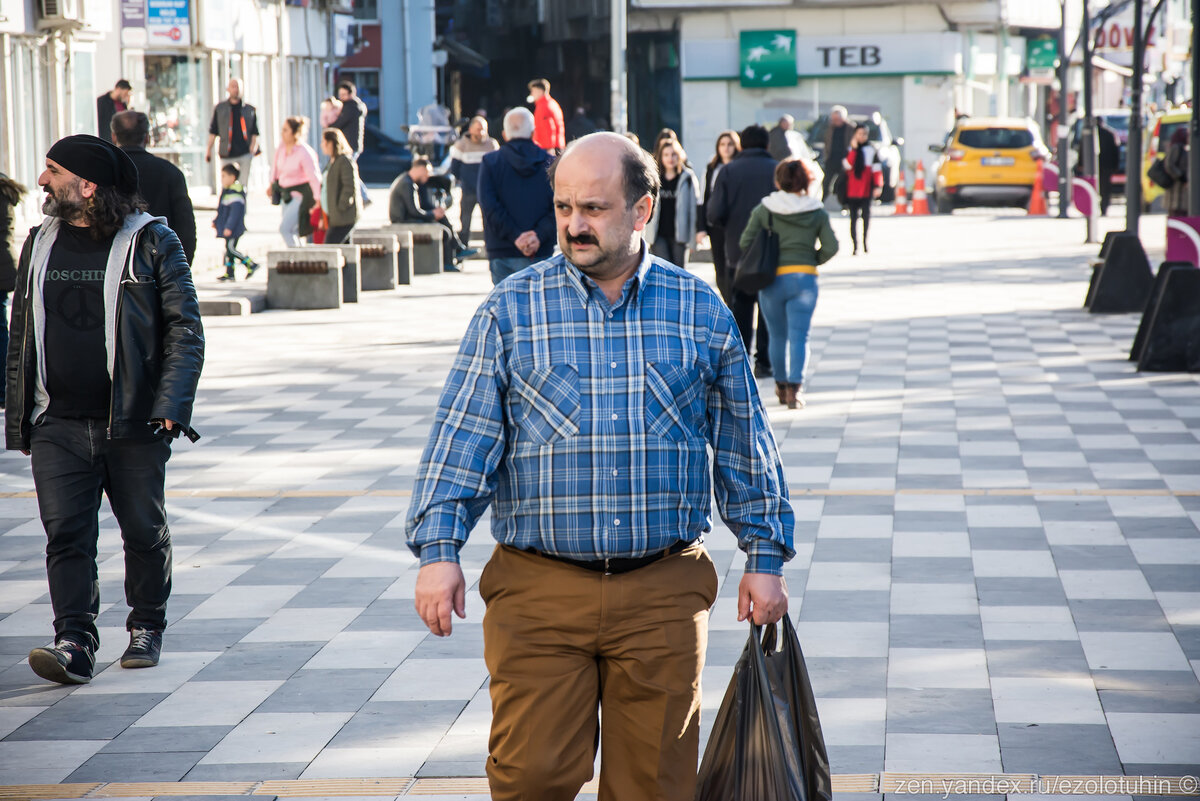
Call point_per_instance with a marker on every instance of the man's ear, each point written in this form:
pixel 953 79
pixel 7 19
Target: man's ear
pixel 642 210
pixel 87 188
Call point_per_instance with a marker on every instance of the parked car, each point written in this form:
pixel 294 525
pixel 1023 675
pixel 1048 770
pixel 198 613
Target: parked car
pixel 987 161
pixel 1118 121
pixel 383 158
pixel 1158 139
pixel 880 136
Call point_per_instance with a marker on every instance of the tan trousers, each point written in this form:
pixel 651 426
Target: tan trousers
pixel 562 643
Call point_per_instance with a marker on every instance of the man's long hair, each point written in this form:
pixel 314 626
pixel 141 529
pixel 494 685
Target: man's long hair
pixel 107 209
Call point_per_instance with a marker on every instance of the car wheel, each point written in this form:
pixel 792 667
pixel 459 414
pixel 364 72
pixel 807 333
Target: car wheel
pixel 945 205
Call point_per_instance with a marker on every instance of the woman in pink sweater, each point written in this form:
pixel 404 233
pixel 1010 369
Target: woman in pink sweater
pixel 296 175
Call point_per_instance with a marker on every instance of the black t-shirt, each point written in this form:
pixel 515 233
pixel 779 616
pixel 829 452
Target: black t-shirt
pixel 839 144
pixel 238 144
pixel 73 292
pixel 666 208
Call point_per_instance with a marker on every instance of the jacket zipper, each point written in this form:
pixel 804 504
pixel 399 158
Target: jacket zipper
pixel 25 343
pixel 112 392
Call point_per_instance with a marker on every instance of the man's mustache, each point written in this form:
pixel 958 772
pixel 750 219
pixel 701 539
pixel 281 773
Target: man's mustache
pixel 586 239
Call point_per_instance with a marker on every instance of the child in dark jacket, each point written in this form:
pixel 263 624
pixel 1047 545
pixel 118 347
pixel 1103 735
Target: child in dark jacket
pixel 231 222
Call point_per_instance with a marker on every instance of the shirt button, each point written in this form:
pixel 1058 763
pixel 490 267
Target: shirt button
pixel 616 522
pixel 614 417
pixel 614 365
pixel 615 472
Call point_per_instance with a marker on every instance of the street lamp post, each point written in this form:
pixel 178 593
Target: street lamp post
pixel 619 81
pixel 1194 130
pixel 1087 150
pixel 1133 188
pixel 1064 120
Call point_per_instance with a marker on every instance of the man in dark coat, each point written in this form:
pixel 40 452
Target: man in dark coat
pixel 740 186
pixel 96 396
pixel 352 122
pixel 112 102
pixel 405 204
pixel 161 184
pixel 516 199
pixel 1108 161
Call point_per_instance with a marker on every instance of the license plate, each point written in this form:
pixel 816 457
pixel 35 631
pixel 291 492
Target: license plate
pixel 998 161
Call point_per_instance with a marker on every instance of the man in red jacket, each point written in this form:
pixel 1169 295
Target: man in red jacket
pixel 549 133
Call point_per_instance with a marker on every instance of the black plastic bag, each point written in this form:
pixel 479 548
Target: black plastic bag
pixel 756 268
pixel 766 742
pixel 1159 174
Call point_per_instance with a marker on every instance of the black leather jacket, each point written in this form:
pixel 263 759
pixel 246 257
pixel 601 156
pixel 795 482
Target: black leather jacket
pixel 159 343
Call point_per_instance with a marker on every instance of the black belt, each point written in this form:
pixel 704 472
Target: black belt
pixel 618 564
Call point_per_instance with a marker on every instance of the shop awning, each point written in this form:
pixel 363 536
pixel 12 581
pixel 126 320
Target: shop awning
pixel 1103 63
pixel 459 52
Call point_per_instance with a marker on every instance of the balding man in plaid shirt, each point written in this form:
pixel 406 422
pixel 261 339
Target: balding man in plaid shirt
pixel 582 405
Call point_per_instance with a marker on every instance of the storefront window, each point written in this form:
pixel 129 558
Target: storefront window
pixel 84 89
pixel 178 124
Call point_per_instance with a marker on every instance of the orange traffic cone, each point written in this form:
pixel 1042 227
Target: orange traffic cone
pixel 901 195
pixel 1037 198
pixel 920 203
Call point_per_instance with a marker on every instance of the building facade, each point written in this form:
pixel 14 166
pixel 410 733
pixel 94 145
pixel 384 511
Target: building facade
pixel 59 55
pixel 918 64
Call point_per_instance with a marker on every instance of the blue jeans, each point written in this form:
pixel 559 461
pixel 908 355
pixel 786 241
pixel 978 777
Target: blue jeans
pixel 504 266
pixel 788 305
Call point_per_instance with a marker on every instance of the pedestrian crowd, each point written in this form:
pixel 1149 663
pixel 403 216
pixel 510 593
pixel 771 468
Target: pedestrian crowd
pixel 598 359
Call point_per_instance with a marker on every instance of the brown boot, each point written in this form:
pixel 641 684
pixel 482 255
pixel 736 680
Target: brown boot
pixel 781 392
pixel 792 397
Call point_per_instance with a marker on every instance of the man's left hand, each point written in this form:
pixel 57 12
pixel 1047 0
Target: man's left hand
pixel 764 596
pixel 168 424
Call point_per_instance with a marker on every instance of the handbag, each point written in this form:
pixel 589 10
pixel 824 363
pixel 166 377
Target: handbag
pixel 276 193
pixel 766 741
pixel 1157 172
pixel 756 268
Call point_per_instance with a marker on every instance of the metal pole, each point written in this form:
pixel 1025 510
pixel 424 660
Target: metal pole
pixel 1064 152
pixel 1194 129
pixel 1133 188
pixel 619 83
pixel 1087 149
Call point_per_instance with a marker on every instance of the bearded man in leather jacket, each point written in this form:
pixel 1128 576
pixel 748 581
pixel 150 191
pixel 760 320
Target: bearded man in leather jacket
pixel 103 362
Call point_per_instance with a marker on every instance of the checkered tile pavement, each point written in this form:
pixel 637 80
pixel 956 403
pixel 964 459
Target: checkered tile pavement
pixel 998 561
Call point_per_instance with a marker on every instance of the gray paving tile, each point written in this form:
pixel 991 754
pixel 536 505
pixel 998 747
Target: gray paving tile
pixel 325 690
pixel 935 631
pixel 1063 749
pixel 1036 659
pixel 855 759
pixel 164 739
pixel 847 677
pixel 936 570
pixel 1172 578
pixel 1007 539
pixel 940 711
pixel 396 722
pixel 131 767
pixel 245 771
pixel 285 571
pixel 1148 691
pixel 259 661
pixel 849 605
pixel 339 592
pixel 852 550
pixel 1020 592
pixel 1118 615
pixel 1093 557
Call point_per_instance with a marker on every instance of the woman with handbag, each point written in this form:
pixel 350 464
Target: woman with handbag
pixel 729 144
pixel 672 226
pixel 295 181
pixel 339 187
pixel 864 182
pixel 801 224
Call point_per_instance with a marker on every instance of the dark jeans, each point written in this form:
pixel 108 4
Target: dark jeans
pixel 451 244
pixel 743 307
pixel 859 207
pixel 670 250
pixel 1106 189
pixel 3 337
pixel 338 234
pixel 73 464
pixel 466 210
pixel 830 176
pixel 716 240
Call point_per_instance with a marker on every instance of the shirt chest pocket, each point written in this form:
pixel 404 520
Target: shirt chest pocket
pixel 674 402
pixel 544 402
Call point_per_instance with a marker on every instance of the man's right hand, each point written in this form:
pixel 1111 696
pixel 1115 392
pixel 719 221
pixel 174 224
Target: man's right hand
pixel 439 213
pixel 440 589
pixel 208 155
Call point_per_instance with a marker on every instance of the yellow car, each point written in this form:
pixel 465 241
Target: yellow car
pixel 1158 139
pixel 987 161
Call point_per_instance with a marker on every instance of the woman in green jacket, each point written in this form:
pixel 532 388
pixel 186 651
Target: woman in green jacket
pixel 788 303
pixel 339 192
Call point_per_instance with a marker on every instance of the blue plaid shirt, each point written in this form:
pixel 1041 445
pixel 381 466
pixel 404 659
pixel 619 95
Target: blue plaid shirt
pixel 588 423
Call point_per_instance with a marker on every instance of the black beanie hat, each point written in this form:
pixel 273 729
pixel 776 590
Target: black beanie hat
pixel 95 160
